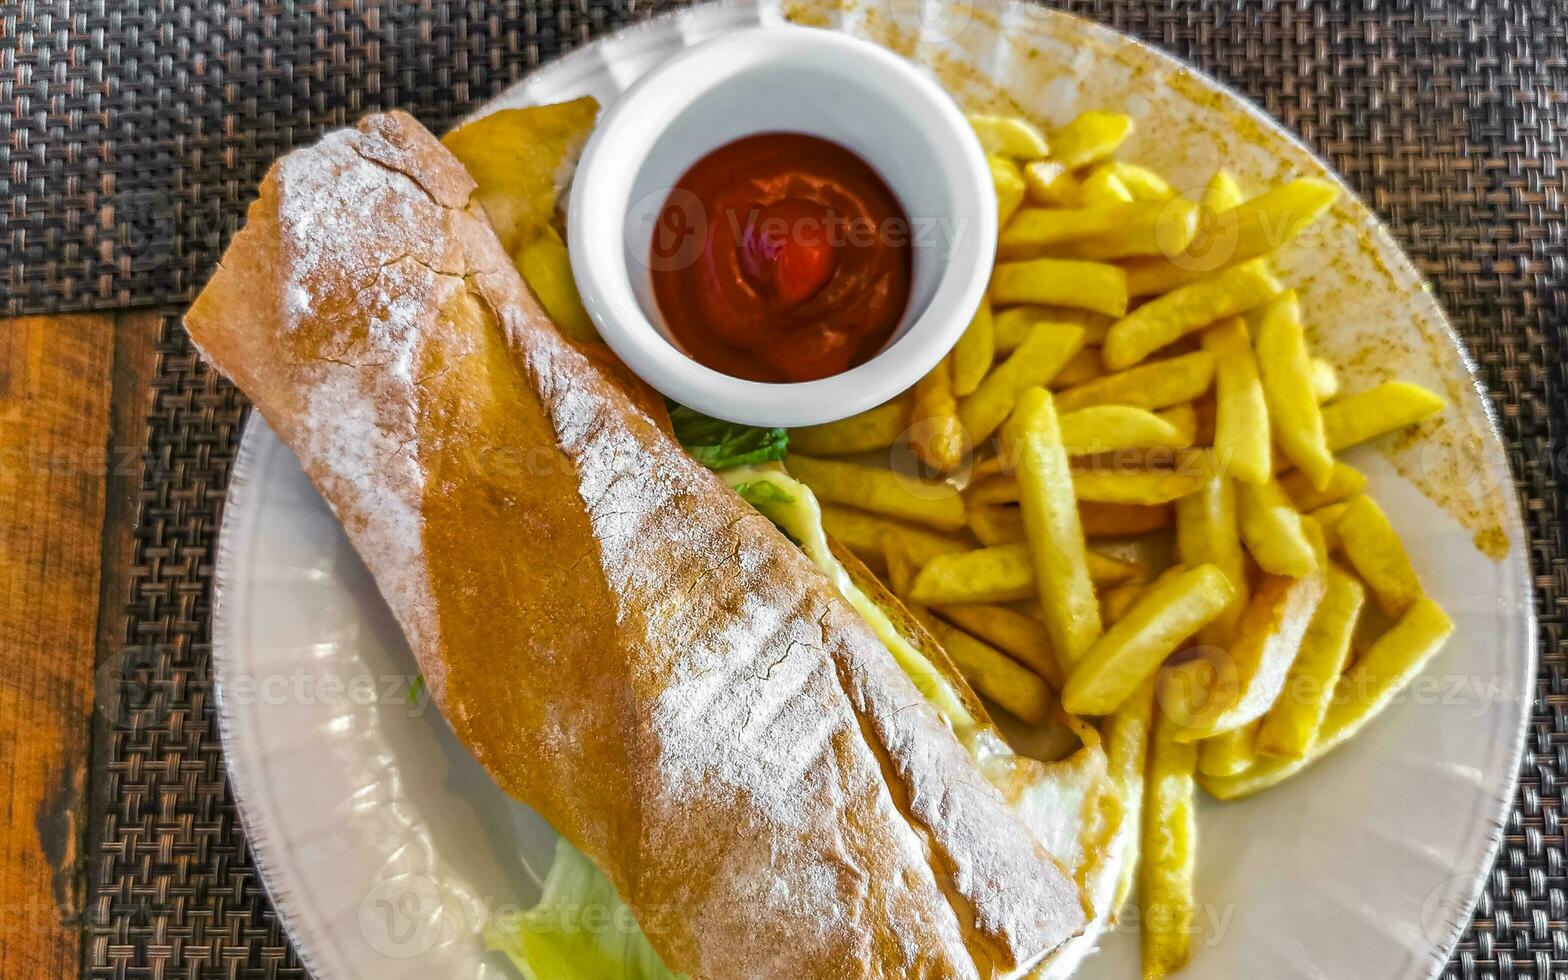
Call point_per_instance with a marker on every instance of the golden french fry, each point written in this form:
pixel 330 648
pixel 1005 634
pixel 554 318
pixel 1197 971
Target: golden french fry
pixel 1132 650
pixel 1118 486
pixel 1021 637
pixel 1167 319
pixel 1009 136
pixel 1290 726
pixel 1102 428
pixel 1141 182
pixel 1325 380
pixel 1169 233
pixel 1229 753
pixel 1054 538
pixel 1103 187
pixel 881 491
pixel 1327 519
pixel 901 570
pixel 876 428
pixel 1091 137
pixel 1125 738
pixel 1343 483
pixel 1209 532
pixel 1157 384
pixel 864 534
pixel 1002 573
pixel 1034 228
pixel 1051 183
pixel 1235 235
pixel 1122 520
pixel 1009 182
pixel 1169 849
pixel 1221 193
pixel 975 351
pixel 993 490
pixel 1249 676
pixel 1368 687
pixel 1096 286
pixel 1047 348
pixel 1012 325
pixel 994 525
pixel 1374 550
pixel 1293 407
pixel 546 269
pixel 993 465
pixel 935 434
pixel 1242 444
pixel 994 674
pixel 1368 414
pixel 1273 531
pixel 520 159
pixel 1184 419
pixel 1083 368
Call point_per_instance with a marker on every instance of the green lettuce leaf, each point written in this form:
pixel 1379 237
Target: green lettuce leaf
pixel 719 445
pixel 580 930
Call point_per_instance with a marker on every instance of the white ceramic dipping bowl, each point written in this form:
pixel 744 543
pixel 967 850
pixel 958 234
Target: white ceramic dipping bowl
pixel 783 79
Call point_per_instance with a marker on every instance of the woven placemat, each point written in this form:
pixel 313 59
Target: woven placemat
pixel 137 133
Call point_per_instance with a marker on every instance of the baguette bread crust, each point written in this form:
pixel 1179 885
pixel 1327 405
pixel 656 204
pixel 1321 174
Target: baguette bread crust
pixel 622 642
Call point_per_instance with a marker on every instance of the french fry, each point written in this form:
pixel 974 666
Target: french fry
pixel 974 352
pixel 1230 753
pixel 1035 228
pixel 881 491
pixel 876 428
pixel 1083 368
pixel 1141 182
pixel 1157 384
pixel 1009 136
pixel 546 269
pixel 1242 444
pixel 1169 233
pixel 1343 483
pixel 1293 407
pixel 1091 137
pixel 1051 183
pixel 1221 193
pixel 993 490
pixel 1290 726
pixel 994 525
pixel 1019 690
pixel 1325 380
pixel 1165 320
pixel 1250 675
pixel 1126 741
pixel 1247 231
pixel 1122 520
pixel 864 534
pixel 1021 637
pixel 1103 187
pixel 1012 325
pixel 1327 518
pixel 1053 535
pixel 1134 486
pixel 1378 556
pixel 1034 363
pixel 1184 419
pixel 1388 407
pixel 1169 850
pixel 1002 573
pixel 1132 650
pixel 1209 532
pixel 1102 428
pixel 1009 183
pixel 1273 531
pixel 1095 286
pixel 1388 666
pixel 935 434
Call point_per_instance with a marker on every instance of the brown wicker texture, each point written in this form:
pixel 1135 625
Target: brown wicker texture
pixel 137 131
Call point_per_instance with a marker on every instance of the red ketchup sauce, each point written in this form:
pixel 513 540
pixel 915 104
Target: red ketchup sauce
pixel 781 257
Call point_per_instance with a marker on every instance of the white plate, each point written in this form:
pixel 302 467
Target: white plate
pixel 384 845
